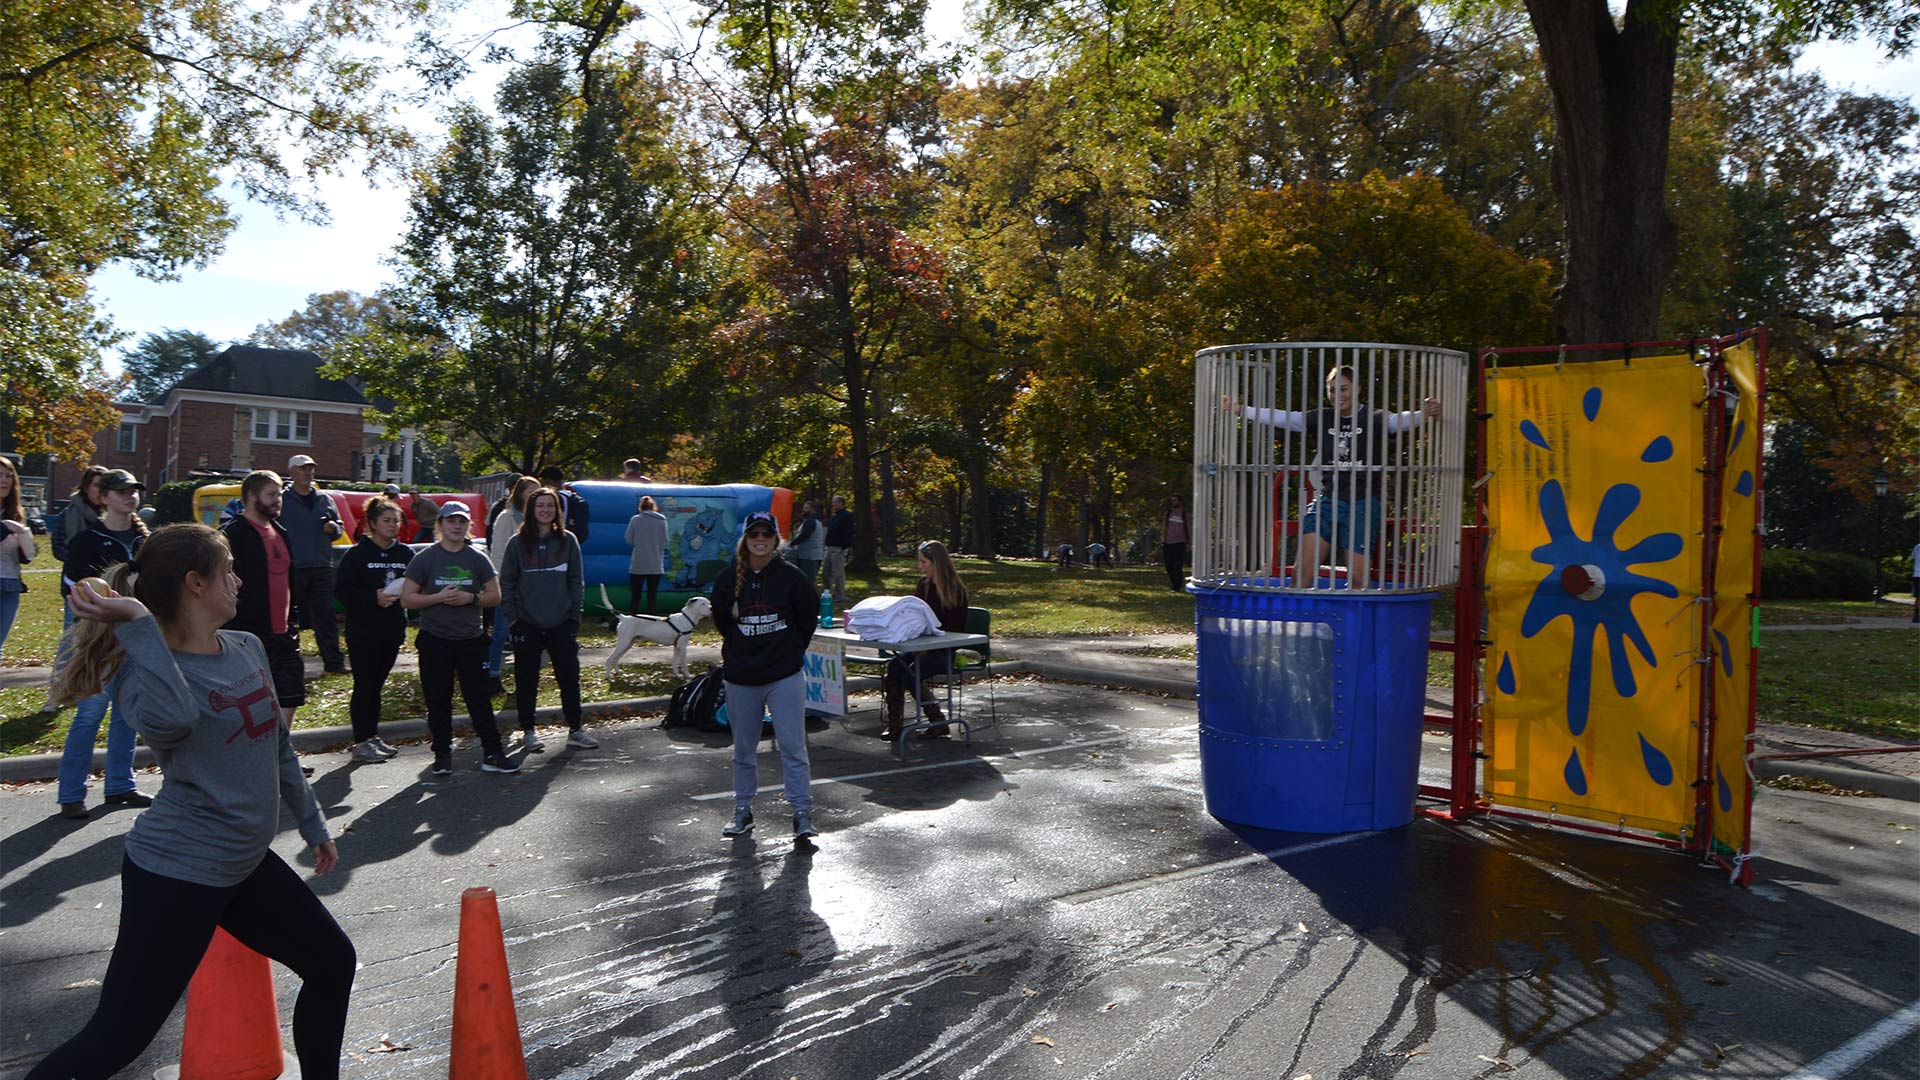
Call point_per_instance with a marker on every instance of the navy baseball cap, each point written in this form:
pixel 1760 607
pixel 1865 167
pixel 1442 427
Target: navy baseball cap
pixel 760 517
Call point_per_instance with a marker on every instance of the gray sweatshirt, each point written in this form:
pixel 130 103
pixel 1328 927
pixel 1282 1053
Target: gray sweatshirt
pixel 214 723
pixel 544 588
pixel 647 536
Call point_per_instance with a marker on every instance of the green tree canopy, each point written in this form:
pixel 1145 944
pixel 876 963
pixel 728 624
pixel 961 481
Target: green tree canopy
pixel 159 360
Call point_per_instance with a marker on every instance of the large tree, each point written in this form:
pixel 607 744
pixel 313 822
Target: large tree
pixel 553 285
pixel 1612 79
pixel 159 360
pixel 328 320
pixel 117 123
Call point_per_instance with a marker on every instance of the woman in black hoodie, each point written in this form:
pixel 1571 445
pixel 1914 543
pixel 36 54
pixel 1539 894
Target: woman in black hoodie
pixel 376 623
pixel 766 613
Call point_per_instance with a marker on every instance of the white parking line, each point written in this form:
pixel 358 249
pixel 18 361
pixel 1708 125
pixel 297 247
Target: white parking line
pixel 1858 1050
pixel 1016 755
pixel 1201 871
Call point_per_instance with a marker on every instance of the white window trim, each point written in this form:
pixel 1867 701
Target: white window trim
pixel 273 415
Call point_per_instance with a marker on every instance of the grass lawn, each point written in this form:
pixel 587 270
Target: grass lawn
pixel 1860 680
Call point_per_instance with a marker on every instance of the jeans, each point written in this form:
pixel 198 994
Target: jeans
pixel 786 700
pixel 497 645
pixel 444 662
pixel 9 609
pixel 312 588
pixel 374 652
pixel 76 758
pixel 562 644
pixel 165 927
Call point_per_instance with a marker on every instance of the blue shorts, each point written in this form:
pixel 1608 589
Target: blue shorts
pixel 1355 522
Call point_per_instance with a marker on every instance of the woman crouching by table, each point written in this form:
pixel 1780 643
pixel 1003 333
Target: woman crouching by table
pixel 940 586
pixel 766 613
pixel 200 857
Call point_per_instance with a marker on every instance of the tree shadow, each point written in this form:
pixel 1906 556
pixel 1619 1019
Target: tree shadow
pixel 48 885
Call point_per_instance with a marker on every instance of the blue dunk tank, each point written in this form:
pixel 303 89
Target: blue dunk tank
pixel 703 526
pixel 1326 502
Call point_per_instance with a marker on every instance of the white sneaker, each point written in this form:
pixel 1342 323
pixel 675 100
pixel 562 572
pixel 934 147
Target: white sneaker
pixel 530 741
pixel 380 744
pixel 367 753
pixel 578 737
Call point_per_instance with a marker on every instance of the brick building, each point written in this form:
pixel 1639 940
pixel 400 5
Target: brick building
pixel 248 408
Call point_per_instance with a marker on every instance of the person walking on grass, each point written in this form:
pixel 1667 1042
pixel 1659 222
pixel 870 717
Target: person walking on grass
pixel 838 543
pixel 542 586
pixel 1174 530
pixel 16 547
pixel 201 857
pixel 113 539
pixel 451 586
pixel 505 523
pixel 312 524
pixel 368 587
pixel 766 614
pixel 647 536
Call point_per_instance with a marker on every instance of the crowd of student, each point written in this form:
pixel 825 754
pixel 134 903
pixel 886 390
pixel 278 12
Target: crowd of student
pixel 189 636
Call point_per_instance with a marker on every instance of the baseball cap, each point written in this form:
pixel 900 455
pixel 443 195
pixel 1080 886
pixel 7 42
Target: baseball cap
pixel 455 508
pixel 760 517
pixel 390 490
pixel 121 480
pixel 298 460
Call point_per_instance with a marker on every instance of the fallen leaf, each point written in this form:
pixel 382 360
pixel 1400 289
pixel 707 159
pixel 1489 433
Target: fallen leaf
pixel 1029 991
pixel 989 918
pixel 81 985
pixel 1724 1050
pixel 1416 1051
pixel 971 993
pixel 1715 980
pixel 1110 1006
pixel 1042 1040
pixel 1502 1062
pixel 795 952
pixel 387 1046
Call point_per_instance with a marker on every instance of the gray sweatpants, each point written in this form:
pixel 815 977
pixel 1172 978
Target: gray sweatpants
pixel 835 580
pixel 786 700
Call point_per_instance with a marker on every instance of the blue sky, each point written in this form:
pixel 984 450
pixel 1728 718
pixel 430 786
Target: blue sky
pixel 270 265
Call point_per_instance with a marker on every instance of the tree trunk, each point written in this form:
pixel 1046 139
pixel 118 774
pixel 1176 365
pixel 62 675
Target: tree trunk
pixel 853 370
pixel 1613 106
pixel 1040 510
pixel 889 523
pixel 982 510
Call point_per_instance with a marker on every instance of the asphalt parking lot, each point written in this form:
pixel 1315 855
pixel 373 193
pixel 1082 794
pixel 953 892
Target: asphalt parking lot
pixel 1053 902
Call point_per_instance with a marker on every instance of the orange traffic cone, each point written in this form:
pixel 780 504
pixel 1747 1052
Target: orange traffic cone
pixel 233 1028
pixel 486 1032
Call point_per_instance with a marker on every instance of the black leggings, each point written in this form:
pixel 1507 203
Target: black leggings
pixel 374 652
pixel 165 925
pixel 636 583
pixel 562 643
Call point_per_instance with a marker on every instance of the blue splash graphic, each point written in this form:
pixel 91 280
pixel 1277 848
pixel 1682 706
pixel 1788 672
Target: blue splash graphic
pixel 1532 434
pixel 1590 402
pixel 1658 450
pixel 1575 775
pixel 1726 792
pixel 1656 762
pixel 1505 679
pixel 1745 484
pixel 1726 653
pixel 1739 429
pixel 1612 611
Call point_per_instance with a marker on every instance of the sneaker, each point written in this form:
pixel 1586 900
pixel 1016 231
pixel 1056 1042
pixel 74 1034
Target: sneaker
pixel 130 798
pixel 803 825
pixel 578 737
pixel 742 822
pixel 367 753
pixel 380 744
pixel 443 764
pixel 530 741
pixel 498 762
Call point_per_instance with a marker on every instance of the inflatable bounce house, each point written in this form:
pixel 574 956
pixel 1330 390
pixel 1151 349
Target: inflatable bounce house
pixel 703 526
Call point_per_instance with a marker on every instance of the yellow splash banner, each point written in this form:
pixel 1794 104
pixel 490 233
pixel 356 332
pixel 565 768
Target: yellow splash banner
pixel 1733 646
pixel 1593 577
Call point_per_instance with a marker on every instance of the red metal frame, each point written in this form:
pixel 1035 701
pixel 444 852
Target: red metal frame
pixel 1462 794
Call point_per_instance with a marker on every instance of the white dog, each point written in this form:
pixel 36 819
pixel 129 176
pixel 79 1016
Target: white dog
pixel 672 630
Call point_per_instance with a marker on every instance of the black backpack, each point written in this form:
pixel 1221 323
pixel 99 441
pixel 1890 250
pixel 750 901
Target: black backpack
pixel 696 702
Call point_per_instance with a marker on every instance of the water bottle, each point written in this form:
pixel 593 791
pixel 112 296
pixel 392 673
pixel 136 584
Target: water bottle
pixel 826 609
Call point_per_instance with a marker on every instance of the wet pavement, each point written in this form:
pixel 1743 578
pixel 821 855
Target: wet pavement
pixel 1053 902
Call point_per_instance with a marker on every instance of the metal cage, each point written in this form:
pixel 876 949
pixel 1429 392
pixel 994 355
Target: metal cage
pixel 1368 493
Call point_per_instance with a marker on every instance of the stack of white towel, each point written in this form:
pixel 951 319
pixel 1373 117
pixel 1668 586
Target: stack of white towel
pixel 892 618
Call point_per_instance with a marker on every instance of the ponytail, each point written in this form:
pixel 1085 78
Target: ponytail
pixel 90 654
pixel 739 573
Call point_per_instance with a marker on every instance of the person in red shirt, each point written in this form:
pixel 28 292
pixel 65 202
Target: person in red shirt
pixel 267 608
